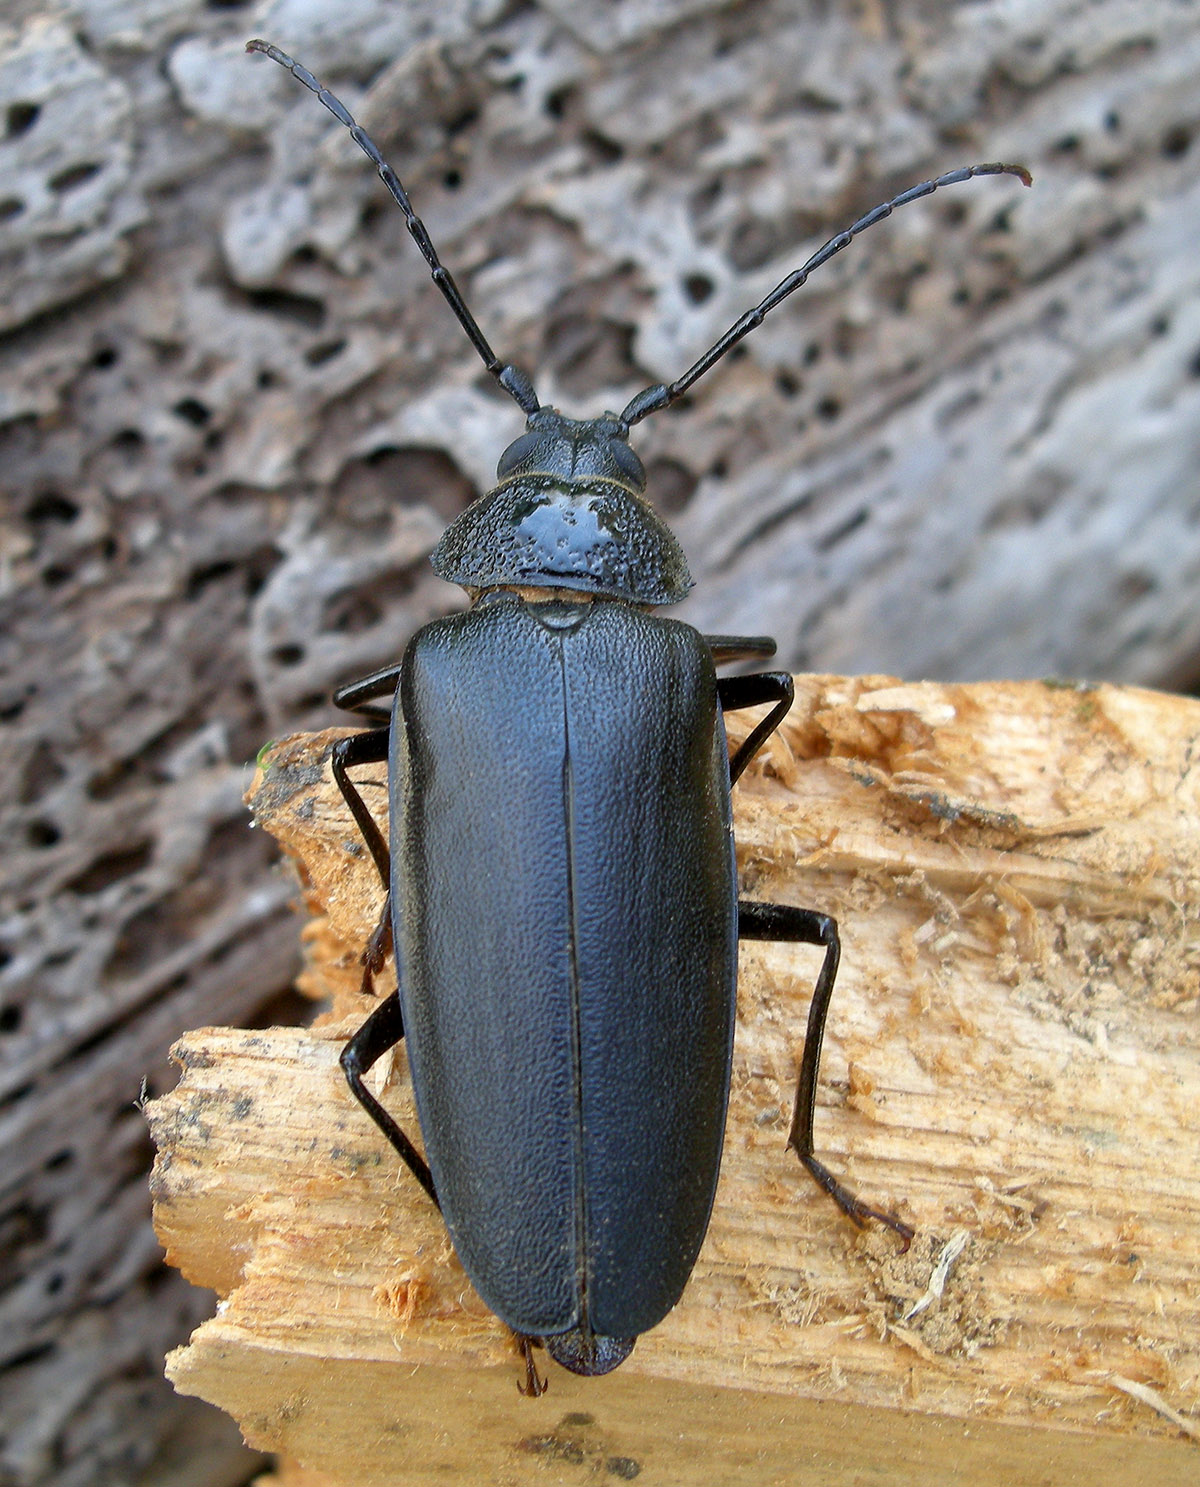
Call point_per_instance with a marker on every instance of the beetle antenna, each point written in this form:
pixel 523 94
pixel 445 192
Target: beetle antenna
pixel 651 399
pixel 514 382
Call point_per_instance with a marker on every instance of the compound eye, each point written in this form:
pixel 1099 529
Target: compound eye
pixel 517 453
pixel 628 463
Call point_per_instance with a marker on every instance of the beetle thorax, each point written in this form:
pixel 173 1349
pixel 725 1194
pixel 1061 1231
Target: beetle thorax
pixel 569 513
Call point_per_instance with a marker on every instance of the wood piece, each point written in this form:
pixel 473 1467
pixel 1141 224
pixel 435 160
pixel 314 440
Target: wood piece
pixel 1011 1063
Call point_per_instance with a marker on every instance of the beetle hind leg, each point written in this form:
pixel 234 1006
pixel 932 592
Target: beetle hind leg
pixel 533 1386
pixel 758 921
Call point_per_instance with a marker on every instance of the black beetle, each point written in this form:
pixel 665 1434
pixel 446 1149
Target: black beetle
pixel 562 894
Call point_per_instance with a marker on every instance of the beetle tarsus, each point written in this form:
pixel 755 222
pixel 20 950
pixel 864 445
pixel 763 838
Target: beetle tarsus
pixel 533 1385
pixel 378 948
pixel 853 1207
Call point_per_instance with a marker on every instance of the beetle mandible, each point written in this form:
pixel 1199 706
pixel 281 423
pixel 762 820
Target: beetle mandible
pixel 561 888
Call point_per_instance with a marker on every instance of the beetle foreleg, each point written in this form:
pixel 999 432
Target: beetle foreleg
pixel 757 921
pixel 734 692
pixel 380 1033
pixel 363 748
pixel 367 748
pixel 727 648
pixel 356 697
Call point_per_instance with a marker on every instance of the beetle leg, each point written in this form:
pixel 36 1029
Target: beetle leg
pixel 385 1026
pixel 363 748
pixel 534 1385
pixel 734 692
pixel 758 921
pixel 379 947
pixel 356 697
pixel 377 1036
pixel 728 648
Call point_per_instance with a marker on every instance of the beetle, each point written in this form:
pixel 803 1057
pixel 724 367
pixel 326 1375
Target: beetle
pixel 562 896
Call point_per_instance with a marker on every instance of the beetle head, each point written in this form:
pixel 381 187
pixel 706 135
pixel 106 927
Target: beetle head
pixel 574 448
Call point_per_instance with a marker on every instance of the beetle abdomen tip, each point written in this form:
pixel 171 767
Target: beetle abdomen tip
pixel 582 1351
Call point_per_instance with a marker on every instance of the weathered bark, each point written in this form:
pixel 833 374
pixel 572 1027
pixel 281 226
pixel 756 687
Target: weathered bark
pixel 1011 1063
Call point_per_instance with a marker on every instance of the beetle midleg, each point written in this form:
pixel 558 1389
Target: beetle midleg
pixel 734 692
pixel 758 921
pixel 377 1036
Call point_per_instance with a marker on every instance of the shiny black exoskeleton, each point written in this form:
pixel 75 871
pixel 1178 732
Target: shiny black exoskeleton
pixel 562 895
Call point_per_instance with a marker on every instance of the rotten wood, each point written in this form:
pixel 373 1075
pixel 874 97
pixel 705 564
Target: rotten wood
pixel 1011 1064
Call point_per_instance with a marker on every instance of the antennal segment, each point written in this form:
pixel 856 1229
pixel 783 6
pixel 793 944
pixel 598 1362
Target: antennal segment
pixel 514 382
pixel 651 399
